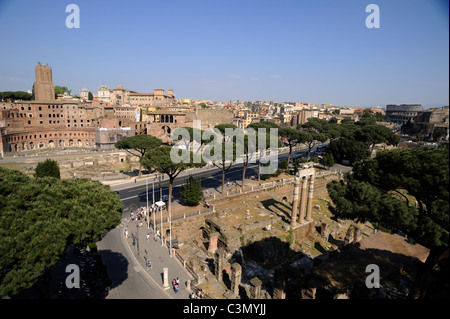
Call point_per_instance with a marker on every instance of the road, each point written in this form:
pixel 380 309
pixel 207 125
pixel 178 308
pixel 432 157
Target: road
pixel 129 278
pixel 135 195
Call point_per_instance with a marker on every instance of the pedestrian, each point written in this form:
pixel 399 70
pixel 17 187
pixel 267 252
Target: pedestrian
pixel 176 288
pixel 148 236
pixel 178 281
pixel 126 233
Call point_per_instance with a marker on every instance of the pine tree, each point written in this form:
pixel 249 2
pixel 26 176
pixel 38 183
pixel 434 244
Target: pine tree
pixel 192 192
pixel 47 168
pixel 40 218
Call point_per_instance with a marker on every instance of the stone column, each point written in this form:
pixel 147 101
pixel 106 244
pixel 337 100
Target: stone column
pixel 295 201
pixel 310 199
pixel 236 277
pixel 213 237
pixel 357 235
pixel 301 217
pixel 255 289
pixel 279 289
pixel 165 278
pixel 218 264
pixel 349 235
pixel 188 285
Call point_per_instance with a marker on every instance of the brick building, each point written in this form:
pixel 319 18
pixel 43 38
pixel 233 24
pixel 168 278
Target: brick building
pixel 49 123
pixel 161 123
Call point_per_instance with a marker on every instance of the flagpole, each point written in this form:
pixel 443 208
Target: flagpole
pixel 148 215
pixel 162 242
pixel 154 213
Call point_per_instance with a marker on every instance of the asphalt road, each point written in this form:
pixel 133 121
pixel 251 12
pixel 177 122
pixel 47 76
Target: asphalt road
pixel 211 181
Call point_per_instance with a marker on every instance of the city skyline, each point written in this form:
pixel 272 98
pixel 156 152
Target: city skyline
pixel 294 51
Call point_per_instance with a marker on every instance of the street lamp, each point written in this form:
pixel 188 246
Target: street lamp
pixel 170 226
pixel 160 204
pixel 147 212
pixel 153 205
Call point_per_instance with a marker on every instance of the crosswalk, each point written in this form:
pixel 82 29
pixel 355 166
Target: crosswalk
pixel 123 223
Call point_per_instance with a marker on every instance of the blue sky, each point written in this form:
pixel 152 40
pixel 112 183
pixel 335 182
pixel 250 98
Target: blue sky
pixel 287 50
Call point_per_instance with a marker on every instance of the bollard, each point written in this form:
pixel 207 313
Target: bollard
pixel 166 278
pixel 188 284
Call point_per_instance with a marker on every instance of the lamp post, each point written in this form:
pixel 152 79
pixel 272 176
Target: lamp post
pixel 162 241
pixel 170 226
pixel 154 213
pixel 147 212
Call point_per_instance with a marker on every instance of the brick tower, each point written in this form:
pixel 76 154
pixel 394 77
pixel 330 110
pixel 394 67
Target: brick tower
pixel 44 89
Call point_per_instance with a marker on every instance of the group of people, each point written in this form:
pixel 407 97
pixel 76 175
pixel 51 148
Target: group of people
pixel 200 294
pixel 175 284
pixel 140 217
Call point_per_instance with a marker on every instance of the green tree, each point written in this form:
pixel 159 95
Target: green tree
pixel 327 160
pixel 192 191
pixel 195 136
pixel 348 149
pixel 15 95
pixel 40 218
pixel 138 145
pixel 90 96
pixel 47 168
pixel 292 137
pixel 373 134
pixel 438 132
pixel 221 156
pixel 61 90
pixel 402 190
pixel 284 165
pixel 161 159
pixel 269 132
pixel 312 139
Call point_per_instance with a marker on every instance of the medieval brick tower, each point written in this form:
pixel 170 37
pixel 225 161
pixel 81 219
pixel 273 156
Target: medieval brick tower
pixel 44 89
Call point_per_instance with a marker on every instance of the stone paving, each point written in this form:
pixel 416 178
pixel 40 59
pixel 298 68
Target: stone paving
pixel 152 250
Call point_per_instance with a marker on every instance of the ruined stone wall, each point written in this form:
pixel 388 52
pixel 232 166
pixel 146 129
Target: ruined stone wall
pixel 280 191
pixel 210 117
pixel 188 229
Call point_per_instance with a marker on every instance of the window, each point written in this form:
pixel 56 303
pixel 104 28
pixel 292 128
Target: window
pixel 29 122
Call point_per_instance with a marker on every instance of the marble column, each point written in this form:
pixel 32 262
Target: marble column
pixel 295 201
pixel 310 199
pixel 255 288
pixel 301 217
pixel 218 263
pixel 213 238
pixel 236 277
pixel 165 278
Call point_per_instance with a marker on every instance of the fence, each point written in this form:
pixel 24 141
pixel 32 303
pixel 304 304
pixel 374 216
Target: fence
pixel 236 191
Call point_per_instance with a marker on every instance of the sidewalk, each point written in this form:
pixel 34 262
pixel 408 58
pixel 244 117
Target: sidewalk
pixel 158 255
